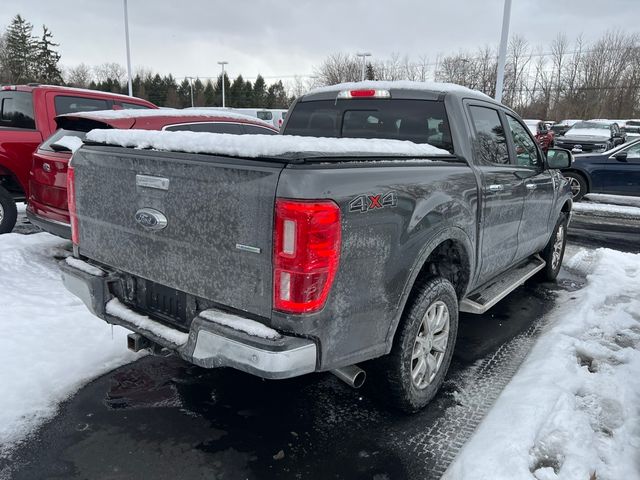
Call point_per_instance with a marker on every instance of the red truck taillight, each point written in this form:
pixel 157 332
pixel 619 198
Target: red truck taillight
pixel 71 200
pixel 306 254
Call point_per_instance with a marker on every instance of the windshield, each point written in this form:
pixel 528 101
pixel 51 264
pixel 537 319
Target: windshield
pixel 419 121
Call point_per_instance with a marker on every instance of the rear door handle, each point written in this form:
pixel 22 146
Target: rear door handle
pixel 531 186
pixel 496 188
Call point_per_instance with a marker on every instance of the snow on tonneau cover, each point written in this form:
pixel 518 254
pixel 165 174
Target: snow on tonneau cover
pixel 217 242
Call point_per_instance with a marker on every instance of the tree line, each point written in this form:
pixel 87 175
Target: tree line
pixel 561 80
pixel 25 58
pixel 564 79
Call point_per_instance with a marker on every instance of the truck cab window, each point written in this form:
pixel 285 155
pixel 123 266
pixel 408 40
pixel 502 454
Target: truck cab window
pixel 418 121
pixel 16 110
pixel 526 149
pixel 490 143
pixel 68 104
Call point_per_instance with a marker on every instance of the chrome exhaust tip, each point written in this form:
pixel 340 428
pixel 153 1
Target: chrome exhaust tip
pixel 352 375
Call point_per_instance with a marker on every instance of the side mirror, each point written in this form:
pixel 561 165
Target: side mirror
pixel 621 156
pixel 558 158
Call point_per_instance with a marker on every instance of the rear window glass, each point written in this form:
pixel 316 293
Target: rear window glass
pixel 252 129
pixel 265 115
pixel 210 127
pixel 419 121
pixel 67 104
pixel 132 106
pixel 16 110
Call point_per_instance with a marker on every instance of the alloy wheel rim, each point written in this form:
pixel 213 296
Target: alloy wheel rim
pixel 1 213
pixel 430 345
pixel 575 186
pixel 557 247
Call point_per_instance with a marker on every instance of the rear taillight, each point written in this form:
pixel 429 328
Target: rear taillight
pixel 306 254
pixel 71 200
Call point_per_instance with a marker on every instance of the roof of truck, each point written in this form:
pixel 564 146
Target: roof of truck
pixel 434 87
pixel 182 115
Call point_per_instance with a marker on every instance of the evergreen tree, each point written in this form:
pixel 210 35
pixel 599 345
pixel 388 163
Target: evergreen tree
pixel 370 73
pixel 198 93
pixel 259 93
pixel 209 95
pixel 235 94
pixel 218 89
pixel 47 59
pixel 277 96
pixel 157 90
pixel 184 93
pixel 20 50
pixel 247 94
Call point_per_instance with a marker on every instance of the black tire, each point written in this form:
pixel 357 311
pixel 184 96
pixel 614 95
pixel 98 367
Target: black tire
pixel 394 371
pixel 8 211
pixel 579 187
pixel 555 245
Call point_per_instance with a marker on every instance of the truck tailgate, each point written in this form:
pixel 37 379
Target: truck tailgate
pixel 217 242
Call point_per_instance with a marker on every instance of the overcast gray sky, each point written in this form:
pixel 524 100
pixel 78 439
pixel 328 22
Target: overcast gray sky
pixel 289 37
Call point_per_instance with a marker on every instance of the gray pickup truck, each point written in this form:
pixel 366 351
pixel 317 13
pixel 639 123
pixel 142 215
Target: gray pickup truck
pixel 288 261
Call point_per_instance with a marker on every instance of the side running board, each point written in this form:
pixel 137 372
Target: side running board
pixel 482 300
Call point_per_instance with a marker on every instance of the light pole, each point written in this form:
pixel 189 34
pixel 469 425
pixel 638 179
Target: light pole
pixel 223 63
pixel 126 36
pixel 364 55
pixel 502 55
pixel 191 87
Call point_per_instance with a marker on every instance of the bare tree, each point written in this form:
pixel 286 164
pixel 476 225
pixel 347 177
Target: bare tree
pixel 110 71
pixel 339 68
pixel 78 76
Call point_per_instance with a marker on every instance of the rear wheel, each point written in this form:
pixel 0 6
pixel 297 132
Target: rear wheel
pixel 578 185
pixel 553 253
pixel 8 211
pixel 423 346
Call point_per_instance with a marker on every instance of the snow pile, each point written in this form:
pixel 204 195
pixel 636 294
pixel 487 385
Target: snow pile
pixel 606 210
pixel 50 345
pixel 613 199
pixel 399 85
pixel 253 146
pixel 115 308
pixel 245 325
pixel 571 412
pixel 191 112
pixel 70 142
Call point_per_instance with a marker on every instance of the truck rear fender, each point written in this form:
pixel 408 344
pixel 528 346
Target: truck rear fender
pixel 450 255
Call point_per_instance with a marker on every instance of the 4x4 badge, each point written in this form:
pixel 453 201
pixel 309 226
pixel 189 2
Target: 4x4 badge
pixel 364 203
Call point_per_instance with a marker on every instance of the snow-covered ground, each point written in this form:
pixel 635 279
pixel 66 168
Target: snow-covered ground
pixel 573 409
pixel 608 210
pixel 50 345
pixel 613 199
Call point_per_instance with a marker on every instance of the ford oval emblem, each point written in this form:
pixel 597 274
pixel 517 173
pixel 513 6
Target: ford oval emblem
pixel 151 219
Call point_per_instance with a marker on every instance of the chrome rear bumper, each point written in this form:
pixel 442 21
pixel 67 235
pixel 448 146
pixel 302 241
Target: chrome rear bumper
pixel 208 344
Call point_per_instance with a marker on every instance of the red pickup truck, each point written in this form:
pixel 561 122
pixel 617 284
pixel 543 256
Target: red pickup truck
pixel 27 115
